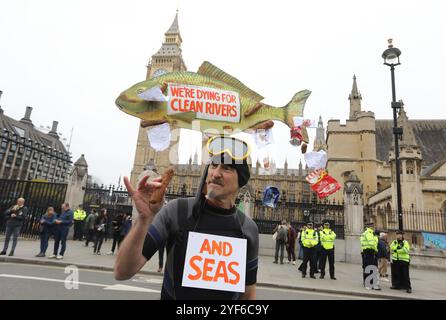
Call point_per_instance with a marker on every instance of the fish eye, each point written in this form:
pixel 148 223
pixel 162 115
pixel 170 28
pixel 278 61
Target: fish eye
pixel 140 90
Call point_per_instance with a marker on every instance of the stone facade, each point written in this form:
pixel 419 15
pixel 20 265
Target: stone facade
pixel 365 145
pixel 27 153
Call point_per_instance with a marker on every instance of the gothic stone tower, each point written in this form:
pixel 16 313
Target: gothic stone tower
pixel 167 59
pixel 352 146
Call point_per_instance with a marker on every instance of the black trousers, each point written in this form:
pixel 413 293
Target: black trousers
pixel 99 238
pixel 400 275
pixel 291 251
pixel 90 236
pixel 331 262
pixel 369 259
pixel 308 256
pixel 78 230
pixel 117 238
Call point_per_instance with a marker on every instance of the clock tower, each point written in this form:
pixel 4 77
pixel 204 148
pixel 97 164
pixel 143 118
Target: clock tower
pixel 167 59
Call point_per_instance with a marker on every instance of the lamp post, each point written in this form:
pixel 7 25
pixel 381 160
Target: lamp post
pixel 391 58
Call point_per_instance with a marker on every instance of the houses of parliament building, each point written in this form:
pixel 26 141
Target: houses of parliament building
pixel 363 146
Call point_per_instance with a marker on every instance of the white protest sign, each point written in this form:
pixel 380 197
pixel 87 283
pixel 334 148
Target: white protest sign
pixel 316 160
pixel 159 136
pixel 215 262
pixel 263 137
pixel 207 103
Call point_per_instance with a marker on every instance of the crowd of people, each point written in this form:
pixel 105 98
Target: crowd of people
pixel 316 246
pixel 92 228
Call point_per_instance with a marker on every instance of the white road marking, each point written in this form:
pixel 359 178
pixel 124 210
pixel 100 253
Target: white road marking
pixel 117 287
pixel 148 280
pixel 123 287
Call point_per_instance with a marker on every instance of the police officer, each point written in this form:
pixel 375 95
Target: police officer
pixel 79 217
pixel 309 239
pixel 369 250
pixel 400 263
pixel 327 241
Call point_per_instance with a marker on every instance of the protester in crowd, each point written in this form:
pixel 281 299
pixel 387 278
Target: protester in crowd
pixel 89 227
pixel 62 226
pixel 46 230
pixel 383 256
pixel 291 247
pixel 116 225
pixel 100 227
pixel 281 240
pixel 15 217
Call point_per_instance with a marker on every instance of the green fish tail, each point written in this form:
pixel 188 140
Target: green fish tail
pixel 295 108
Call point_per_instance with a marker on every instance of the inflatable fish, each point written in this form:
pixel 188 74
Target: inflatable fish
pixel 218 100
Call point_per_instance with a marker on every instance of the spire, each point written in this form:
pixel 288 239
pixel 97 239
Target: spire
pixel 195 157
pixel 172 42
pixel 408 135
pixel 319 142
pixel 355 100
pixel 355 92
pixel 174 28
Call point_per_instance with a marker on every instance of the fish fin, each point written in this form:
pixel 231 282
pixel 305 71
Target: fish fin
pixel 253 109
pixel 149 123
pixel 265 125
pixel 209 70
pixel 184 116
pixel 295 108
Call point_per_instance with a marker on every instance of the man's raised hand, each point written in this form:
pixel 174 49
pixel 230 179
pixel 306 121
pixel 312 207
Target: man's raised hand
pixel 143 196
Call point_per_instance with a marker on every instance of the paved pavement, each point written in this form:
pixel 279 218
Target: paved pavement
pixel 426 284
pixel 49 283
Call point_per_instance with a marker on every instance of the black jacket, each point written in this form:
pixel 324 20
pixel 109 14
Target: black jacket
pixel 383 251
pixel 100 224
pixel 21 215
pixel 117 224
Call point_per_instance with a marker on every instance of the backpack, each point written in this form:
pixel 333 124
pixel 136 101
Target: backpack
pixel 282 234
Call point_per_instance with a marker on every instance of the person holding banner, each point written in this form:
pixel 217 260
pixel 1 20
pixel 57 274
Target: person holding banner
pixel 212 247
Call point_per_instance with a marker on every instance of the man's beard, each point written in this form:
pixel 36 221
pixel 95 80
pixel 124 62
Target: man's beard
pixel 213 194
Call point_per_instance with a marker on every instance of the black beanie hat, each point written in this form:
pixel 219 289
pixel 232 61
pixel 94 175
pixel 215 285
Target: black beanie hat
pixel 241 166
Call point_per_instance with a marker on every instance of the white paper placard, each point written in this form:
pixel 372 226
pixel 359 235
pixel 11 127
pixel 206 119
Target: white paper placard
pixel 159 136
pixel 215 262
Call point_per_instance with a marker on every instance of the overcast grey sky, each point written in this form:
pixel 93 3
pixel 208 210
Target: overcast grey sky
pixel 70 59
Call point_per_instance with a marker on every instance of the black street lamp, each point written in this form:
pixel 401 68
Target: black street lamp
pixel 391 58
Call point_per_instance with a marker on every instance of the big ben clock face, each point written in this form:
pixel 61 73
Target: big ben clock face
pixel 159 72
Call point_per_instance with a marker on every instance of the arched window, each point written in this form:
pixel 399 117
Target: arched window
pixel 356 197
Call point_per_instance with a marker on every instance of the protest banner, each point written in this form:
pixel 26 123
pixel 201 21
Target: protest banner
pixel 215 262
pixel 208 103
